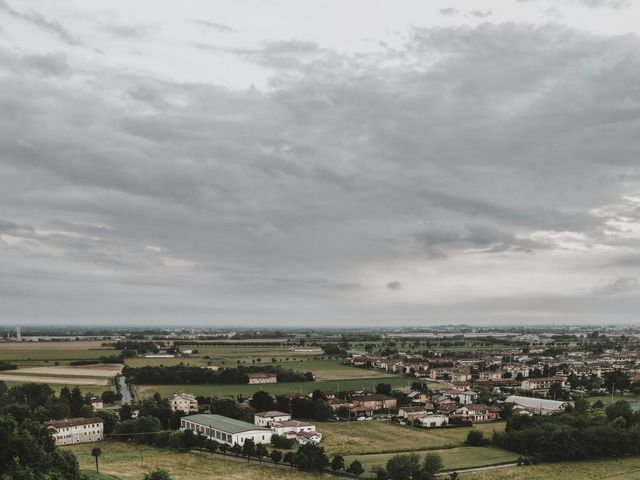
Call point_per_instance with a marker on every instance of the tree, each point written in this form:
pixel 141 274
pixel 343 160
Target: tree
pixel 157 474
pixel 311 457
pixel 275 456
pixel 431 465
pixel 109 396
pixel 27 451
pixel 126 412
pixel 401 467
pixel 337 463
pixel 383 388
pixel 581 406
pixel 236 450
pixel 109 418
pixel 96 452
pixel 619 409
pixel 475 438
pixel 249 449
pixel 355 468
pixel 262 401
pixel 289 458
pixel 261 452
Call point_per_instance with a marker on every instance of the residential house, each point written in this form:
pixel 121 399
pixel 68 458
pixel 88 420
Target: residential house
pixel 184 402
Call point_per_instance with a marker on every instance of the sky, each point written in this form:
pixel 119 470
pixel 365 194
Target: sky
pixel 319 163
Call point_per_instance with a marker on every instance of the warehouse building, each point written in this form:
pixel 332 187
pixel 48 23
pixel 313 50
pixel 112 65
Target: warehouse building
pixel 224 429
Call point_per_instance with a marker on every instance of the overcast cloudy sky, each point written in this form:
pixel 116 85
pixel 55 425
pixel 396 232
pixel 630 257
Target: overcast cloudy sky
pixel 329 162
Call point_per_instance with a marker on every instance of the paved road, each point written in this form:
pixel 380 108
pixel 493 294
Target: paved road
pixel 124 390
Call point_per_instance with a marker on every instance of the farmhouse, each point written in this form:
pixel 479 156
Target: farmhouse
pixel 184 402
pixel 540 406
pixel 224 429
pixel 262 377
pixel 76 430
pixel 266 419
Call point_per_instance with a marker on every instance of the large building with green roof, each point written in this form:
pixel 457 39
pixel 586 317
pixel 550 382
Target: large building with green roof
pixel 224 429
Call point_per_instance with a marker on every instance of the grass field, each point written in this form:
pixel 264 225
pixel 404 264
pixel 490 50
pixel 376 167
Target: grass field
pixel 125 462
pixel 92 475
pixel 386 437
pixel 610 469
pixel 634 400
pixel 452 458
pixel 305 387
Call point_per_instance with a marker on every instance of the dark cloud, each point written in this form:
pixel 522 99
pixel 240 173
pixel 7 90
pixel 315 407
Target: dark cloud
pixel 218 27
pixel 616 4
pixel 618 286
pixel 154 198
pixel 448 11
pixel 481 13
pixel 40 21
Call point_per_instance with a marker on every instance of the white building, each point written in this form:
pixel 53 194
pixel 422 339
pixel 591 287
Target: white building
pixel 539 406
pixel 76 430
pixel 431 421
pixel 262 377
pixel 288 427
pixel 225 430
pixel 96 403
pixel 265 419
pixel 184 402
pixel 308 437
pixel 467 397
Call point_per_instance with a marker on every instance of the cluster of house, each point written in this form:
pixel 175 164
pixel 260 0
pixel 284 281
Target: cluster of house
pixel 266 424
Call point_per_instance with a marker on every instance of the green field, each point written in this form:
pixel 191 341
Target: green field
pixel 634 400
pixel 351 438
pixel 33 357
pixel 610 469
pixel 127 461
pixel 452 458
pixel 92 475
pixel 277 388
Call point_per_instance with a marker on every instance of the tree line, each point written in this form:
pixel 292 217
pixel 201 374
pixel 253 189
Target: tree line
pixel 183 374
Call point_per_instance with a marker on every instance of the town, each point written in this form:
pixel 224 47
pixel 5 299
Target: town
pixel 308 399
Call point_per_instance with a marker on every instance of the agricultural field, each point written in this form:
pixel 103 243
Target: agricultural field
pixel 45 355
pixel 97 375
pixel 357 438
pixel 145 391
pixel 609 469
pixel 452 458
pixel 125 461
